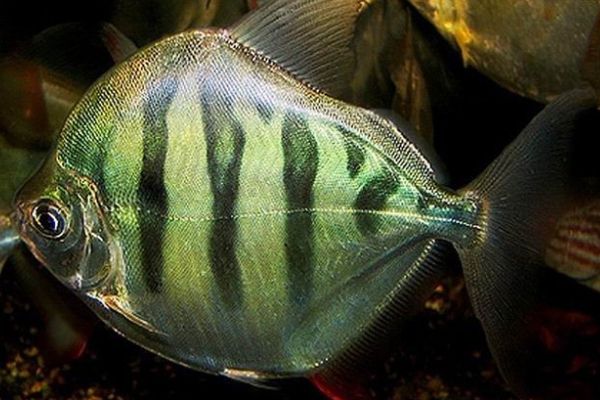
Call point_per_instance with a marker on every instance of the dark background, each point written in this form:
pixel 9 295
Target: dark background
pixel 438 351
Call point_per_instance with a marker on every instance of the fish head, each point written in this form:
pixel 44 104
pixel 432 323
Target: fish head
pixel 59 217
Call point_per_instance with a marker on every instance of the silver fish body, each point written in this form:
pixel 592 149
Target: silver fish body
pixel 230 261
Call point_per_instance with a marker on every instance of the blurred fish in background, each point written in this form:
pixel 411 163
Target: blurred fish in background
pixel 534 48
pixel 389 72
pixel 574 248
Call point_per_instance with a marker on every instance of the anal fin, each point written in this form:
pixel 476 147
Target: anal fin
pixel 346 376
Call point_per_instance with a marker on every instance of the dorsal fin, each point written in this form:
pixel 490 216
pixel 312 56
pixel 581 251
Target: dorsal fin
pixel 309 38
pixel 425 148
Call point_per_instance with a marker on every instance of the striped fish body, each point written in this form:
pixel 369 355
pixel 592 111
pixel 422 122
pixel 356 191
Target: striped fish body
pixel 252 222
pixel 574 248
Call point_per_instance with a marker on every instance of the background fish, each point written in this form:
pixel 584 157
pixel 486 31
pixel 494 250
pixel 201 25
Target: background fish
pixel 389 71
pixel 574 248
pixel 255 223
pixel 534 48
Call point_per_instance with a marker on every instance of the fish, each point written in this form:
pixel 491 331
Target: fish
pixel 212 200
pixel 574 247
pixel 389 70
pixel 534 49
pixel 41 81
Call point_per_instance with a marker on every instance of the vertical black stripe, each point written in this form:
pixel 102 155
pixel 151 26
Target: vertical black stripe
pixel 354 153
pixel 225 141
pixel 373 196
pixel 265 111
pixel 152 193
pixel 301 161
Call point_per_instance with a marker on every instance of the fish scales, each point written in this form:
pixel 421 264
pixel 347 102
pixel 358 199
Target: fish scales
pixel 225 142
pixel 250 202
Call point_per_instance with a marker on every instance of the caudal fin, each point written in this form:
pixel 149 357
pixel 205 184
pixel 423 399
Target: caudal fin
pixel 523 191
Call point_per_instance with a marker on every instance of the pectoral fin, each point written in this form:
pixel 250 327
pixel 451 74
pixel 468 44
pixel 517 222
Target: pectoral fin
pixel 116 304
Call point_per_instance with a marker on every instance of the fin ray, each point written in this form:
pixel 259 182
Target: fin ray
pixel 310 39
pixel 115 304
pixel 523 190
pixel 356 362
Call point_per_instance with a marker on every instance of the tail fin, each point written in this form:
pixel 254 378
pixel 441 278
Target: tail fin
pixel 523 190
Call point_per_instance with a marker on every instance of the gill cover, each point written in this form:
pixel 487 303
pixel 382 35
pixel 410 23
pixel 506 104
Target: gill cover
pixel 64 228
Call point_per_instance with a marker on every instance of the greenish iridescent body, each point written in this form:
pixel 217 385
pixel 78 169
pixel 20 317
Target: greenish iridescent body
pixel 251 202
pixel 206 201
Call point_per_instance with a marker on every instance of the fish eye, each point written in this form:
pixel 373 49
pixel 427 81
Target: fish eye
pixel 49 220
